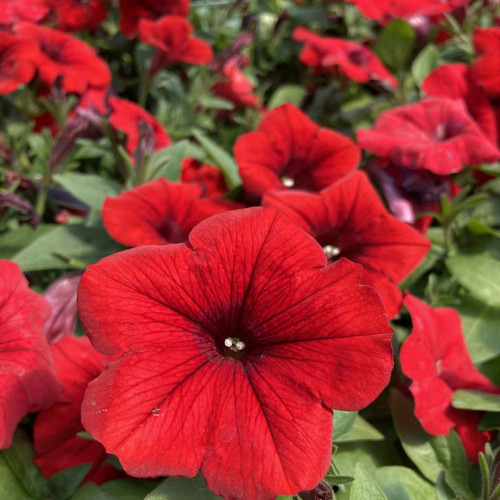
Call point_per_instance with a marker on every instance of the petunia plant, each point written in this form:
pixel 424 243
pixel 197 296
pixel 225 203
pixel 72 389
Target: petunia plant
pixel 249 250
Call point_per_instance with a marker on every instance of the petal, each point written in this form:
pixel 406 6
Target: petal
pixel 27 381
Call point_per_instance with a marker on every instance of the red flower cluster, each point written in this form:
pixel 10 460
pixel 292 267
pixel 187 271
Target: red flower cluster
pixel 223 342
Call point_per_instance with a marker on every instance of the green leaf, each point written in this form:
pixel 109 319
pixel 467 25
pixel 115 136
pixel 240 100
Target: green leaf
pixel 415 442
pixel 479 273
pixel 425 62
pixel 71 246
pixel 89 491
pixel 11 242
pixel 168 162
pixel 431 454
pixel 480 326
pixel 489 422
pixel 364 487
pixel 287 93
pixel 177 488
pixel 465 399
pixel 342 422
pixel 90 189
pixel 371 454
pixel 129 489
pixel 212 102
pixel 360 430
pixel 66 482
pixel 20 478
pixel 395 44
pixel 401 483
pixel 220 158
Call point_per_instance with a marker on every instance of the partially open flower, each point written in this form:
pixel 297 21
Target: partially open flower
pixel 435 357
pixel 61 295
pixel 175 43
pixel 329 54
pixel 135 10
pixel 159 212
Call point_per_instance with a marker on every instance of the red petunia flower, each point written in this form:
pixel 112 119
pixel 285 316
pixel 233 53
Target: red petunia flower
pixel 173 37
pixel 290 150
pixel 127 116
pixel 135 10
pixel 235 86
pixel 55 432
pixel 435 134
pixel 14 11
pixel 233 347
pixel 435 357
pixel 329 54
pixel 66 57
pixel 349 220
pixel 75 15
pixel 385 10
pixel 27 379
pixel 485 68
pixel 210 178
pixel 159 212
pixel 454 81
pixel 17 62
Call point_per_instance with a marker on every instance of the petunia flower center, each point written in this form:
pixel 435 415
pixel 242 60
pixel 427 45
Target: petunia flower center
pixel 288 182
pixel 357 57
pixel 234 347
pixel 331 251
pixel 172 231
pixel 447 130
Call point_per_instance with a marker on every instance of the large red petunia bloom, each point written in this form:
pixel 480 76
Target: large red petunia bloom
pixel 385 10
pixel 235 86
pixel 64 56
pixel 349 220
pixel 135 10
pixel 27 379
pixel 435 134
pixel 17 62
pixel 55 432
pixel 435 357
pixel 75 15
pixel 234 348
pixel 127 116
pixel 290 150
pixel 14 11
pixel 210 178
pixel 173 37
pixel 329 54
pixel 455 81
pixel 485 68
pixel 158 213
